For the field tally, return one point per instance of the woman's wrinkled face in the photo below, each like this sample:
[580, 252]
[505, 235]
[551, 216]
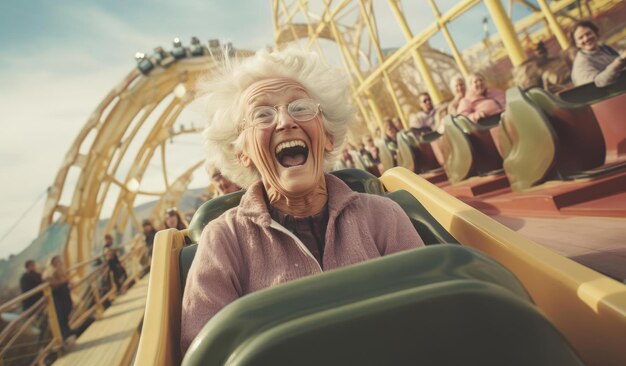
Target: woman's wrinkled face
[459, 88]
[288, 154]
[586, 39]
[477, 84]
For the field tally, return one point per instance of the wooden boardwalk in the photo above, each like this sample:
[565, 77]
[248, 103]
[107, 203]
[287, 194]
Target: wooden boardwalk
[112, 339]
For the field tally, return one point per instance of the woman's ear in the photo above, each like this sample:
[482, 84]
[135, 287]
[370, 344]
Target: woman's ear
[244, 159]
[328, 146]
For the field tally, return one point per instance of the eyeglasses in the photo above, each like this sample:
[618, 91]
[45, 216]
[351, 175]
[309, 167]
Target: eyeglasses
[301, 110]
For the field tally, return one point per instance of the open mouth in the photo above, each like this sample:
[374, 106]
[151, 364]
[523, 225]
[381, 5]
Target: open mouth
[291, 153]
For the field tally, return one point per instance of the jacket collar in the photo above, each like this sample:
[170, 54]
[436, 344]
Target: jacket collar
[253, 205]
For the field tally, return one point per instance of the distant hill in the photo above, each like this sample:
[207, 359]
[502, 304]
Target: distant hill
[50, 242]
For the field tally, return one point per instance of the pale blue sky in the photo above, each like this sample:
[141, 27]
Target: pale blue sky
[58, 59]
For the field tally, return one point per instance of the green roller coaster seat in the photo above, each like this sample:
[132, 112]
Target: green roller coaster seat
[545, 138]
[590, 93]
[580, 141]
[470, 150]
[415, 155]
[211, 210]
[441, 305]
[424, 223]
[485, 156]
[530, 149]
[386, 157]
[358, 180]
[457, 152]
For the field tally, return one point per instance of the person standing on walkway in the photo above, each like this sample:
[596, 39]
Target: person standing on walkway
[56, 275]
[29, 280]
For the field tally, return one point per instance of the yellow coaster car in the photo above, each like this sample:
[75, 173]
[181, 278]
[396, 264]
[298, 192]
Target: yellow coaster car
[496, 299]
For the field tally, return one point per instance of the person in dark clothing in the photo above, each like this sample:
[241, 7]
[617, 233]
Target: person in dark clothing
[116, 267]
[149, 232]
[29, 280]
[57, 276]
[108, 241]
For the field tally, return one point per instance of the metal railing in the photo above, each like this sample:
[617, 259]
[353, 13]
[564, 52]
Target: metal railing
[35, 334]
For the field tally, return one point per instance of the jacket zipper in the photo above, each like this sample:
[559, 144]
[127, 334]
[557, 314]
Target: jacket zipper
[274, 224]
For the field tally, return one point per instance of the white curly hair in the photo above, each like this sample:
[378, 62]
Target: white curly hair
[327, 85]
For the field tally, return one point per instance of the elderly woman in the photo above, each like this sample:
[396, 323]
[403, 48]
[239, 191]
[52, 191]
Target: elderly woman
[478, 101]
[275, 120]
[457, 85]
[594, 62]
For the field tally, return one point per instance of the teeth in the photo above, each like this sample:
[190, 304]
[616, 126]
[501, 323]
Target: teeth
[283, 145]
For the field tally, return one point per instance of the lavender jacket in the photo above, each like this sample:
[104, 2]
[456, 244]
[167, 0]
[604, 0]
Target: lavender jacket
[244, 250]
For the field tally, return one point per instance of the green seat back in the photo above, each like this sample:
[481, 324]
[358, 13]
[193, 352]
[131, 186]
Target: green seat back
[590, 93]
[416, 154]
[546, 138]
[580, 141]
[365, 290]
[406, 151]
[462, 322]
[424, 223]
[360, 181]
[429, 137]
[485, 156]
[457, 151]
[529, 153]
[211, 210]
[386, 158]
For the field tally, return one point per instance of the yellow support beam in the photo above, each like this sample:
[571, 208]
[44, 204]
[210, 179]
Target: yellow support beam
[446, 34]
[420, 62]
[356, 71]
[555, 27]
[370, 28]
[507, 32]
[322, 24]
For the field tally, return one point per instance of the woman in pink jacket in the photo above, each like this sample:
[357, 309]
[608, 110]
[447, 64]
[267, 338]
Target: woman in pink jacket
[275, 121]
[478, 101]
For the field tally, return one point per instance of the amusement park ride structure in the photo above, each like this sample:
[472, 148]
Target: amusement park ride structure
[379, 90]
[155, 94]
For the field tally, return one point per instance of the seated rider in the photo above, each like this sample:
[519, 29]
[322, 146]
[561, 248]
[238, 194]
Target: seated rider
[542, 71]
[478, 101]
[594, 62]
[221, 184]
[424, 121]
[275, 121]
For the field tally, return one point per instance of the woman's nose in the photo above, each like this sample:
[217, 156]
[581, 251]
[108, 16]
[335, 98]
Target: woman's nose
[284, 120]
